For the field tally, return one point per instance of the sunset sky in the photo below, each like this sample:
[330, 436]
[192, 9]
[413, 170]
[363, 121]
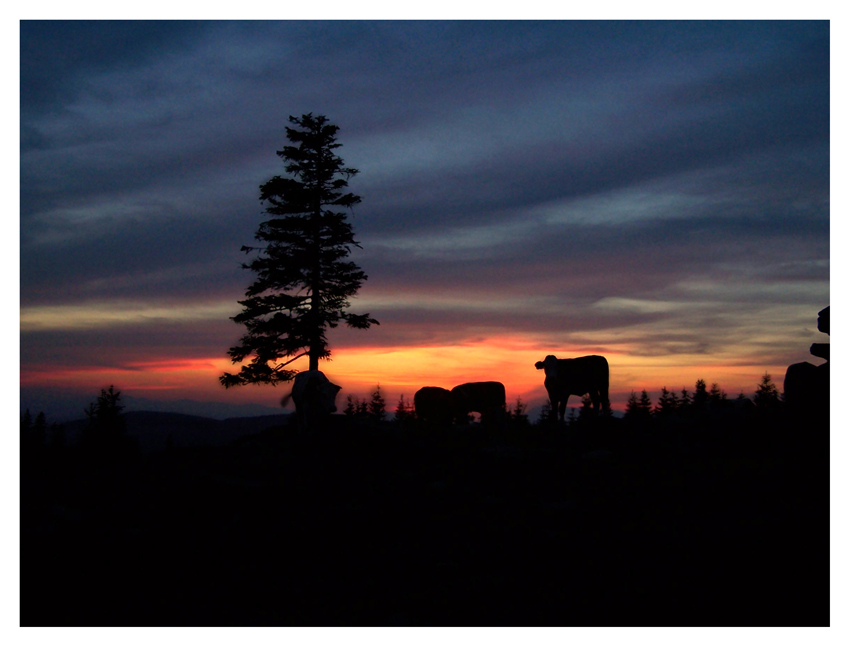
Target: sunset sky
[654, 192]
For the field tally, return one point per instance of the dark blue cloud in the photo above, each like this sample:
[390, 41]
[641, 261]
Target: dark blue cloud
[56, 55]
[572, 162]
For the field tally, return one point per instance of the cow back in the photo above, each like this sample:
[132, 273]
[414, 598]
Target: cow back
[582, 375]
[477, 395]
[485, 398]
[491, 393]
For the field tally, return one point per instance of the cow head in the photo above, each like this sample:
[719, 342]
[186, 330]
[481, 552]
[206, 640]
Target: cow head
[549, 365]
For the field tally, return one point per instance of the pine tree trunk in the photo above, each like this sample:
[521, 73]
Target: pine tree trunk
[315, 288]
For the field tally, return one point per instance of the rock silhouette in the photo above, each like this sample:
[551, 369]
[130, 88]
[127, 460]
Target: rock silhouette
[314, 396]
[433, 405]
[807, 385]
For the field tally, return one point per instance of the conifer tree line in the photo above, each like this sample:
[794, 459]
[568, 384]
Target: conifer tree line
[373, 409]
[104, 414]
[104, 425]
[703, 399]
[639, 407]
[36, 433]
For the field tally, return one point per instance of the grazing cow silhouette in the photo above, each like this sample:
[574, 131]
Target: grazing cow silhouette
[577, 376]
[433, 405]
[314, 396]
[486, 398]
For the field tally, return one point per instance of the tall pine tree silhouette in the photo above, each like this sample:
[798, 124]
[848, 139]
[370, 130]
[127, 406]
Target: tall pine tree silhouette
[303, 280]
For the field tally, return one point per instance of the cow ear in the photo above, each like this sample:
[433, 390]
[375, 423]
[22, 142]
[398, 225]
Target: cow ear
[538, 365]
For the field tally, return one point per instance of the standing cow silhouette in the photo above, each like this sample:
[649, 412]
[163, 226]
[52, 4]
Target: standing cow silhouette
[576, 376]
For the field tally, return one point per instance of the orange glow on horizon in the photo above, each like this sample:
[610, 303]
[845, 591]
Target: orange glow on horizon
[184, 378]
[404, 370]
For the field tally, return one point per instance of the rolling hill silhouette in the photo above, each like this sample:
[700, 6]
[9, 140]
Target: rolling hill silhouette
[155, 430]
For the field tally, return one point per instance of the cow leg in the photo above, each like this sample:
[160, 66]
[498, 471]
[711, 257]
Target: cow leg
[562, 408]
[601, 403]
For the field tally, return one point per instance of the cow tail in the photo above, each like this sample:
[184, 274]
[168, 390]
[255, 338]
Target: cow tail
[285, 399]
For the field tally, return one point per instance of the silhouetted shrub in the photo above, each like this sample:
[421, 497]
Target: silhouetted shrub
[105, 437]
[767, 395]
[699, 402]
[547, 414]
[717, 397]
[586, 411]
[685, 401]
[518, 416]
[404, 412]
[667, 405]
[377, 405]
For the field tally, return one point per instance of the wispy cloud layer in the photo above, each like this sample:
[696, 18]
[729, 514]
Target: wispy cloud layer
[656, 189]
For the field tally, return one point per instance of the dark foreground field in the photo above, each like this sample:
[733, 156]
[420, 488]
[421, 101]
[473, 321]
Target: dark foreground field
[721, 523]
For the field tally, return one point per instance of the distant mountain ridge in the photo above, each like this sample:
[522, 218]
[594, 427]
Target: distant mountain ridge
[216, 410]
[61, 406]
[155, 430]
